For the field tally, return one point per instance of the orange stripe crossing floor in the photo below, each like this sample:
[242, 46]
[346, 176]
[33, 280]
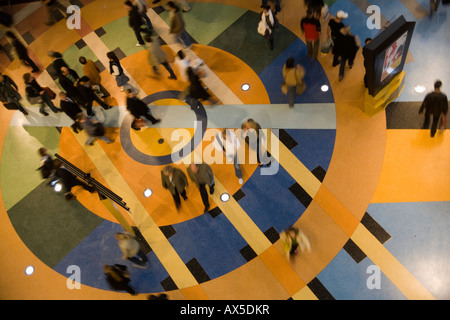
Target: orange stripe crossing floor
[371, 193]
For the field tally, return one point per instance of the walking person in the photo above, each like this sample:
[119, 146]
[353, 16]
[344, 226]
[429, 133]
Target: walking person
[142, 10]
[21, 51]
[46, 165]
[37, 95]
[252, 133]
[174, 180]
[267, 24]
[345, 49]
[197, 90]
[434, 4]
[91, 71]
[71, 109]
[131, 249]
[93, 128]
[53, 6]
[87, 96]
[294, 239]
[310, 26]
[68, 79]
[156, 56]
[138, 109]
[177, 25]
[227, 142]
[293, 83]
[435, 104]
[334, 31]
[202, 175]
[277, 5]
[10, 95]
[115, 68]
[135, 21]
[118, 278]
[54, 69]
[69, 180]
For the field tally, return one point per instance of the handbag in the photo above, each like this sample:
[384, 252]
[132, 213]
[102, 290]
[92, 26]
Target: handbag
[443, 122]
[262, 27]
[122, 80]
[35, 100]
[138, 123]
[50, 92]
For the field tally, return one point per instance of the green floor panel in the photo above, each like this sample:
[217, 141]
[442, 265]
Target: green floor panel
[120, 35]
[205, 21]
[243, 40]
[20, 160]
[53, 229]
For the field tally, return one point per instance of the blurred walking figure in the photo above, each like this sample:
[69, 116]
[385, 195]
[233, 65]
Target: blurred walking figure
[10, 95]
[177, 25]
[138, 109]
[345, 48]
[115, 68]
[253, 133]
[118, 278]
[53, 6]
[227, 142]
[131, 249]
[37, 95]
[69, 180]
[434, 4]
[202, 175]
[267, 24]
[156, 56]
[93, 128]
[135, 21]
[174, 180]
[142, 10]
[87, 96]
[21, 51]
[294, 239]
[91, 71]
[293, 83]
[435, 104]
[197, 90]
[71, 109]
[311, 28]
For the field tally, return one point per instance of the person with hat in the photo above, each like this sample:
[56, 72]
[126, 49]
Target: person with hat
[334, 30]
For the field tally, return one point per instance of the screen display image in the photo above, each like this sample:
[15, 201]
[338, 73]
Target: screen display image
[393, 56]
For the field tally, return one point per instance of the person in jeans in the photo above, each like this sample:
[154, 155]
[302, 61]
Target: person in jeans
[177, 26]
[435, 104]
[36, 94]
[311, 27]
[9, 93]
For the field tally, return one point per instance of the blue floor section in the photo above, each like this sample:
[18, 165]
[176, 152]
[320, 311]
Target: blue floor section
[315, 77]
[315, 147]
[214, 242]
[420, 239]
[100, 248]
[347, 280]
[268, 201]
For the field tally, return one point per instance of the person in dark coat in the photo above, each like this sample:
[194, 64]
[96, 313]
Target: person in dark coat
[345, 48]
[68, 79]
[138, 109]
[21, 51]
[118, 278]
[196, 89]
[69, 180]
[435, 104]
[87, 96]
[36, 94]
[71, 109]
[9, 94]
[135, 21]
[54, 69]
[174, 180]
[201, 174]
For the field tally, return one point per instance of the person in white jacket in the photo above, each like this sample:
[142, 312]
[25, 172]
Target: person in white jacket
[227, 142]
[131, 249]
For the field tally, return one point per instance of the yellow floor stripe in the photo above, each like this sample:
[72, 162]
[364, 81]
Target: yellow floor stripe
[390, 266]
[295, 167]
[148, 228]
[305, 294]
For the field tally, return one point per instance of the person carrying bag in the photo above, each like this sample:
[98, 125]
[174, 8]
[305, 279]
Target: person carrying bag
[293, 83]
